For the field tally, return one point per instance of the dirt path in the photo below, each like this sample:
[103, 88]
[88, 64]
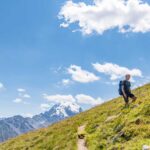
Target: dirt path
[81, 138]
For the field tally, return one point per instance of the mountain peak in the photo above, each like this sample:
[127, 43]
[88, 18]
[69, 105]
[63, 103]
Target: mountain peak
[65, 109]
[71, 105]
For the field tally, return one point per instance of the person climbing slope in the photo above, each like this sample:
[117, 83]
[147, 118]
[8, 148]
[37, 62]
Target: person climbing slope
[125, 90]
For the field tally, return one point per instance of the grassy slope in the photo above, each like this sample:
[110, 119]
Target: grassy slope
[110, 126]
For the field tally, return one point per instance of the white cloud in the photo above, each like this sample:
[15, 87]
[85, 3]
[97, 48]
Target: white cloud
[86, 99]
[45, 107]
[21, 90]
[103, 15]
[17, 100]
[1, 86]
[80, 99]
[64, 25]
[58, 98]
[80, 75]
[115, 71]
[22, 95]
[66, 82]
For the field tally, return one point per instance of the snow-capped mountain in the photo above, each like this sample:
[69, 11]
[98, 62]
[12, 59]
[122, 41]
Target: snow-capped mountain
[14, 126]
[65, 109]
[56, 113]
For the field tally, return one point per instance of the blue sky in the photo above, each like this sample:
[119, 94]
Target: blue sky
[35, 53]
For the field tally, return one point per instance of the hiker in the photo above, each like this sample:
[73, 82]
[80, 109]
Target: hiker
[125, 90]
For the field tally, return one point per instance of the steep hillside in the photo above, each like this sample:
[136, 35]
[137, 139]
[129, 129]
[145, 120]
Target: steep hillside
[109, 126]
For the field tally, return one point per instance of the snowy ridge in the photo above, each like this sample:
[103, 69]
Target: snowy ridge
[63, 108]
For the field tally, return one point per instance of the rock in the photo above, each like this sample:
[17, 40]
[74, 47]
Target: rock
[111, 118]
[139, 102]
[119, 128]
[115, 138]
[81, 132]
[146, 147]
[121, 133]
[138, 121]
[81, 136]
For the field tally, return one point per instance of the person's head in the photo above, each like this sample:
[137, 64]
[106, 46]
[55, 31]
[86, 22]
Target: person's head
[127, 76]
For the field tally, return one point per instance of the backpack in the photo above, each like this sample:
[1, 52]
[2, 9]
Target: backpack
[120, 87]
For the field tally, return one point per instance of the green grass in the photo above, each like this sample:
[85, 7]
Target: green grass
[109, 126]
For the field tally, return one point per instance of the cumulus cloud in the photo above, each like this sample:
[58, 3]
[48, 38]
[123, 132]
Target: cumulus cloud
[103, 15]
[80, 75]
[18, 100]
[45, 107]
[21, 90]
[86, 99]
[115, 71]
[58, 98]
[80, 99]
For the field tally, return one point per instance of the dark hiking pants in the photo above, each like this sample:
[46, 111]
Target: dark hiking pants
[129, 95]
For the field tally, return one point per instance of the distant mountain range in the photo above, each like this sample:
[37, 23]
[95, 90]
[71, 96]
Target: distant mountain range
[16, 125]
